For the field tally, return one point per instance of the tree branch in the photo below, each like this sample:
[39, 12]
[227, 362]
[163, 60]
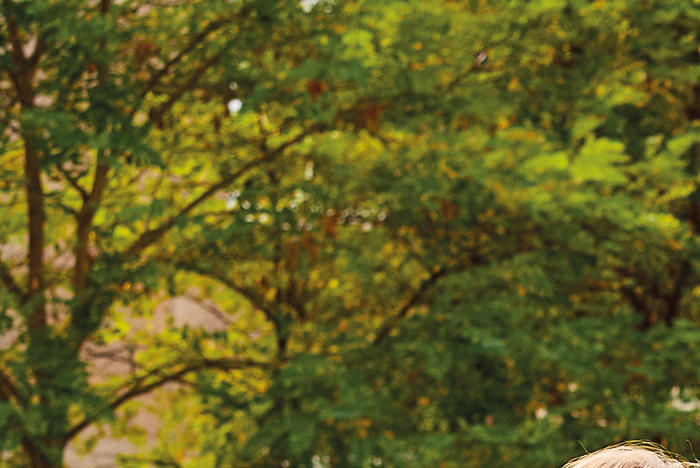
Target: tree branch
[22, 79]
[673, 298]
[255, 299]
[639, 305]
[16, 41]
[8, 390]
[39, 50]
[210, 308]
[271, 313]
[10, 283]
[92, 201]
[160, 462]
[36, 221]
[156, 113]
[85, 217]
[392, 322]
[149, 237]
[316, 128]
[72, 181]
[140, 388]
[194, 42]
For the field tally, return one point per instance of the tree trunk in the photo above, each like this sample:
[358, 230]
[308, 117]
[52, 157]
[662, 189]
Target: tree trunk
[38, 459]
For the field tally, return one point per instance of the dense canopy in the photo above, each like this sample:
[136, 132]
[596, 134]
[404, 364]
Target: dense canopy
[437, 233]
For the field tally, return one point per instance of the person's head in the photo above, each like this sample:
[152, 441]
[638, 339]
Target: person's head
[629, 456]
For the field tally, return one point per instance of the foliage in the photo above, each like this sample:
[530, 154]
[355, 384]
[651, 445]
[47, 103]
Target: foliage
[439, 233]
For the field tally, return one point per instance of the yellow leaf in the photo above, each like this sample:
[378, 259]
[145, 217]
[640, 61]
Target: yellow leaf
[270, 294]
[514, 84]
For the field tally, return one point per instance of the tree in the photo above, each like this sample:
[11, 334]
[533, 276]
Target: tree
[86, 84]
[449, 233]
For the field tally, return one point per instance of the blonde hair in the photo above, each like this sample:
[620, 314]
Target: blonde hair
[630, 455]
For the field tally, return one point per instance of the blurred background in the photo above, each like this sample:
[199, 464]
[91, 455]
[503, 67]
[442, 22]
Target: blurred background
[327, 234]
